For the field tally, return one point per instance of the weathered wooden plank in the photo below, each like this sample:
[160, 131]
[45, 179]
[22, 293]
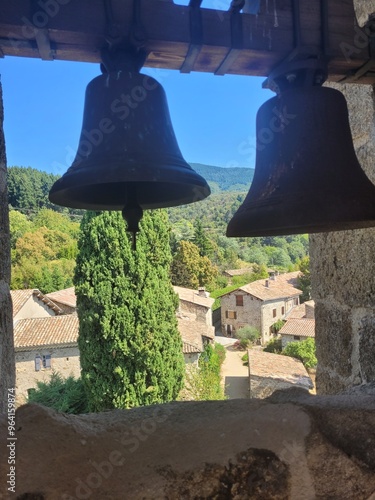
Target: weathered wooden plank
[78, 29]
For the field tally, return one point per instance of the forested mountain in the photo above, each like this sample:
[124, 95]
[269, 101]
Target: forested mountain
[28, 190]
[225, 179]
[44, 241]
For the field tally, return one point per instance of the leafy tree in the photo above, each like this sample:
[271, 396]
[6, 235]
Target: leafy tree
[189, 269]
[278, 257]
[56, 221]
[304, 351]
[257, 255]
[201, 240]
[19, 225]
[65, 395]
[304, 280]
[44, 259]
[131, 350]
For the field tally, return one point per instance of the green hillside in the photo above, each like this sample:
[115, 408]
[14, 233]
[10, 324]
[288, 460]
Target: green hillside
[225, 179]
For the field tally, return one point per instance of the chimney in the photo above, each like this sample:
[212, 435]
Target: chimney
[202, 291]
[267, 284]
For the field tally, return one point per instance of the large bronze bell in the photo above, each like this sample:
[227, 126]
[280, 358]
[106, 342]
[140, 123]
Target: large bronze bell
[128, 157]
[307, 177]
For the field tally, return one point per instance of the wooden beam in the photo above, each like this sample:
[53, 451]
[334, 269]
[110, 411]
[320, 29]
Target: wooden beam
[78, 29]
[44, 45]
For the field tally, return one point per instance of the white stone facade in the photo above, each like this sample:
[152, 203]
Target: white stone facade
[254, 312]
[64, 360]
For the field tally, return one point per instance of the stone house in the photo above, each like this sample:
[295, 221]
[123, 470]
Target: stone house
[43, 340]
[260, 304]
[42, 345]
[300, 324]
[271, 372]
[194, 316]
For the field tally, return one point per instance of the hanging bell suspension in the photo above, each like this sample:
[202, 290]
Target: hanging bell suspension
[307, 177]
[128, 158]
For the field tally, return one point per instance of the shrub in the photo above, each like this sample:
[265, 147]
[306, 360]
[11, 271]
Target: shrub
[277, 325]
[304, 351]
[203, 382]
[65, 395]
[274, 346]
[245, 359]
[247, 335]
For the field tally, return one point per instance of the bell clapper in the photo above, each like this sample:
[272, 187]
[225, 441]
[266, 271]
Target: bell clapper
[132, 214]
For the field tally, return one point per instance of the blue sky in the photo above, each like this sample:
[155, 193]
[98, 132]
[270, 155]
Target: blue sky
[213, 116]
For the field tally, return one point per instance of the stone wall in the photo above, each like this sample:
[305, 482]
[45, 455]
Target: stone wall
[309, 448]
[342, 273]
[64, 360]
[363, 8]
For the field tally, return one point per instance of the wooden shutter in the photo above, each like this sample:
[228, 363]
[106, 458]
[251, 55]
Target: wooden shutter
[37, 363]
[48, 361]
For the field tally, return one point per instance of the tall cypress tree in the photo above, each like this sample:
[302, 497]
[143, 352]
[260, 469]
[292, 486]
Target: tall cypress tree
[130, 347]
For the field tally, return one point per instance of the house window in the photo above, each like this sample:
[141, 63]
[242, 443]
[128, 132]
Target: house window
[231, 314]
[38, 363]
[283, 310]
[239, 300]
[274, 313]
[296, 337]
[46, 360]
[295, 302]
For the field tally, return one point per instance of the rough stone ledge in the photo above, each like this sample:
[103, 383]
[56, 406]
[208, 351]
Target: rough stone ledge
[291, 446]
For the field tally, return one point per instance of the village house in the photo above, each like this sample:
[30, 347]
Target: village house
[300, 324]
[42, 345]
[260, 304]
[42, 339]
[271, 372]
[194, 316]
[46, 333]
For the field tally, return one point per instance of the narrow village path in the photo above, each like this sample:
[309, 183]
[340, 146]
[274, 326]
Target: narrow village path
[235, 375]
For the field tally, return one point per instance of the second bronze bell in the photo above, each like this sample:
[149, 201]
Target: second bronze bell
[307, 177]
[128, 155]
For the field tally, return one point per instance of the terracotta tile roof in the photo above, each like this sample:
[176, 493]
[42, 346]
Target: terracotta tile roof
[277, 366]
[192, 330]
[193, 296]
[66, 297]
[189, 348]
[20, 297]
[297, 312]
[50, 331]
[239, 272]
[304, 327]
[276, 289]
